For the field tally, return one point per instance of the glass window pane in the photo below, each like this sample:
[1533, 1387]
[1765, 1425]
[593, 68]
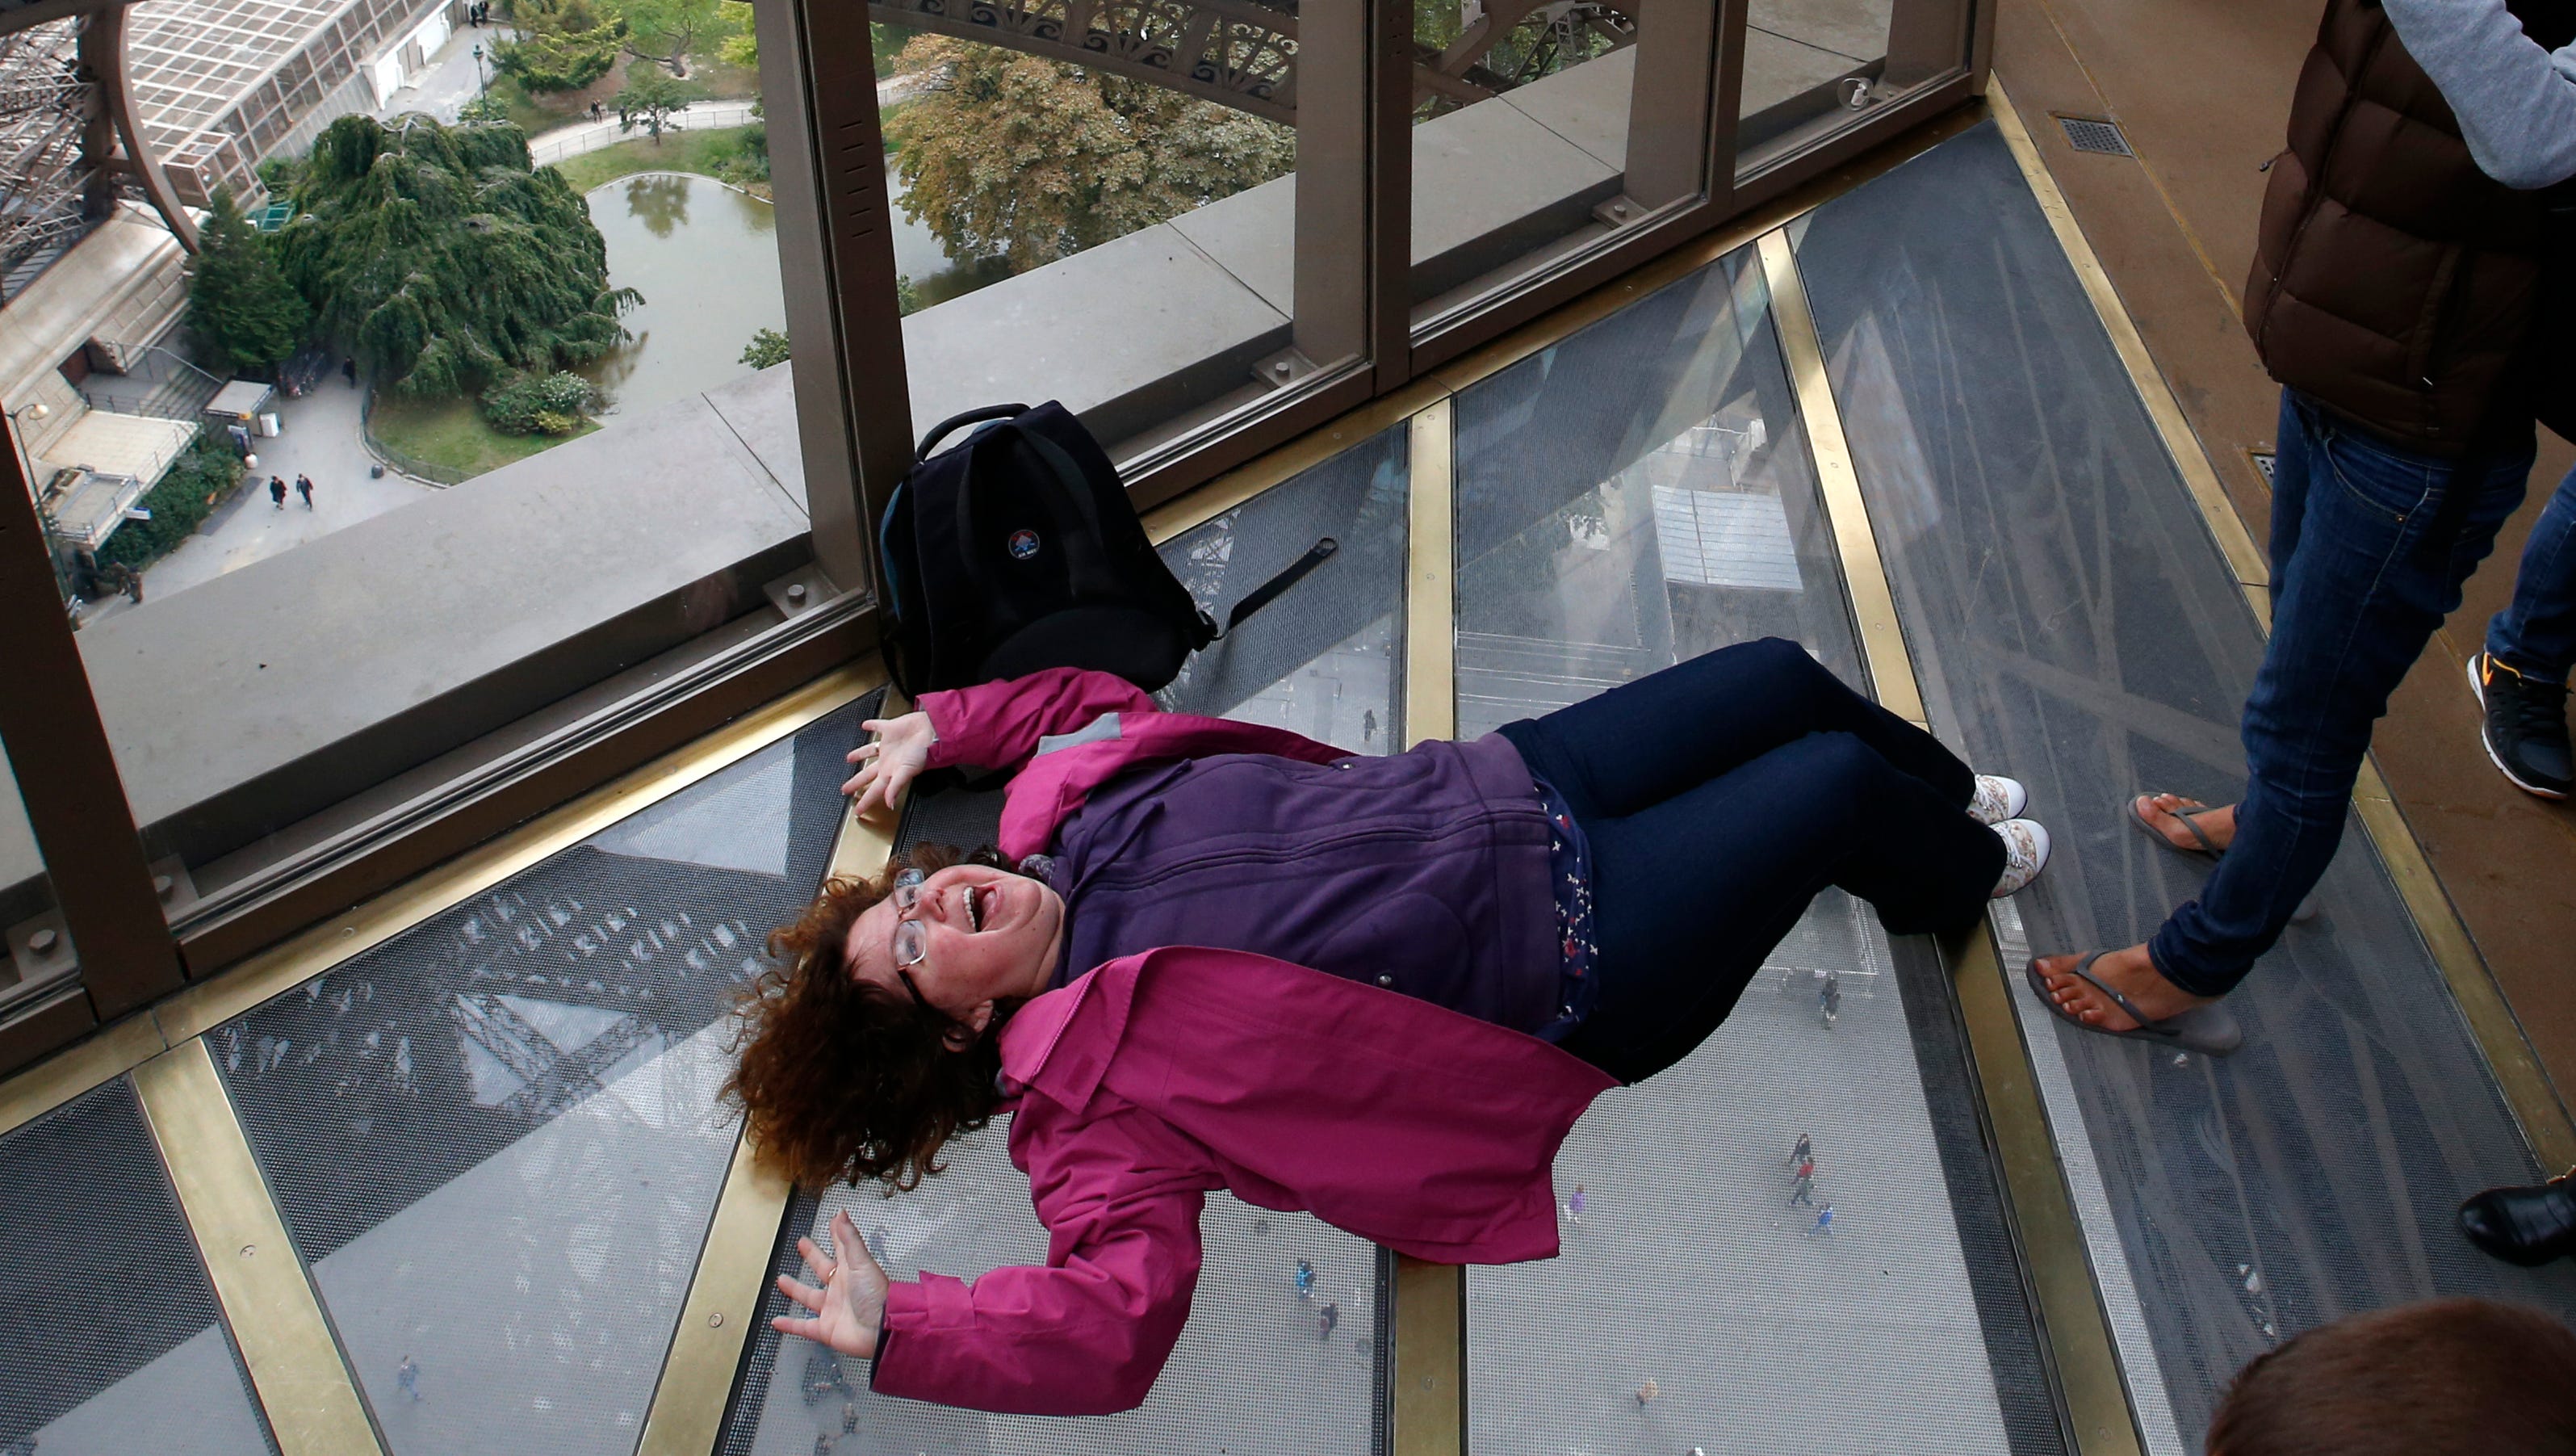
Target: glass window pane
[1112, 219]
[88, 1207]
[1326, 658]
[1637, 495]
[1258, 1368]
[37, 959]
[1815, 67]
[495, 1138]
[475, 403]
[1542, 130]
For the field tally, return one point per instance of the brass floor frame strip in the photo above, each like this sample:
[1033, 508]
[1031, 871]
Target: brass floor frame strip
[312, 1403]
[1429, 1379]
[2235, 543]
[732, 1277]
[2072, 1322]
[2519, 1073]
[1873, 601]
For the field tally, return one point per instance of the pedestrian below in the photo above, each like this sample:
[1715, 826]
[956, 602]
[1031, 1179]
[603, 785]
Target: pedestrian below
[1305, 1280]
[276, 494]
[1804, 1152]
[2417, 330]
[1332, 1319]
[2445, 1377]
[1824, 1220]
[1647, 1393]
[304, 488]
[822, 1444]
[1368, 724]
[1807, 1168]
[349, 366]
[407, 1375]
[2521, 677]
[1830, 999]
[1574, 1205]
[594, 111]
[1803, 1190]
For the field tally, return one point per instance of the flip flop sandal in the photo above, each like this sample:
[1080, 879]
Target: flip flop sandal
[2210, 1030]
[2307, 910]
[2206, 850]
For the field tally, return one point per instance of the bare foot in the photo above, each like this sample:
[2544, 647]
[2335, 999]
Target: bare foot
[2129, 972]
[2157, 812]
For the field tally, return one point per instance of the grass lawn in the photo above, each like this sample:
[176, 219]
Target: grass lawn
[711, 78]
[451, 433]
[701, 152]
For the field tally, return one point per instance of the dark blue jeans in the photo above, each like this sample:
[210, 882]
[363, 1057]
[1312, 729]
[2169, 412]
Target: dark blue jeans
[2536, 634]
[1719, 795]
[2366, 562]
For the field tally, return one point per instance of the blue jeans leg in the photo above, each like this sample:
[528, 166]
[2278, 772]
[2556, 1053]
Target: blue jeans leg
[1719, 796]
[2359, 583]
[2535, 634]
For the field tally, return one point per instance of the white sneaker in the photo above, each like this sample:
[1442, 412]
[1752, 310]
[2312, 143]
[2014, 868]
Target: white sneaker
[1997, 799]
[2025, 853]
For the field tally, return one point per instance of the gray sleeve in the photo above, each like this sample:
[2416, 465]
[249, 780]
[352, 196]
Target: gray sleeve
[2516, 102]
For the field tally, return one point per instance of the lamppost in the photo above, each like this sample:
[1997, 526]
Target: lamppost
[482, 87]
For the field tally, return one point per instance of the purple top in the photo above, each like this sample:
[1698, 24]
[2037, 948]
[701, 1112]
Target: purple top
[1429, 873]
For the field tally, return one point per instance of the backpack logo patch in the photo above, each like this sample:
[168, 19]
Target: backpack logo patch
[1023, 545]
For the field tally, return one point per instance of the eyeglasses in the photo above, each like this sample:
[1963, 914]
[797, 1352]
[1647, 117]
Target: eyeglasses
[911, 941]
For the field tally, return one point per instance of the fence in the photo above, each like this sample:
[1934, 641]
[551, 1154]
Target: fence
[441, 476]
[572, 141]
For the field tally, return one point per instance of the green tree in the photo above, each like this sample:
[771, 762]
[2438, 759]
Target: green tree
[647, 100]
[560, 60]
[767, 347]
[667, 31]
[1005, 155]
[742, 48]
[441, 259]
[241, 308]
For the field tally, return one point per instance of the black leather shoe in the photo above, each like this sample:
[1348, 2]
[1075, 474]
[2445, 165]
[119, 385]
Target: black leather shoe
[2526, 1226]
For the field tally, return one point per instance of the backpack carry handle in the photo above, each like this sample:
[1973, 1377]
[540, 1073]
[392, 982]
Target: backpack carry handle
[1268, 592]
[930, 441]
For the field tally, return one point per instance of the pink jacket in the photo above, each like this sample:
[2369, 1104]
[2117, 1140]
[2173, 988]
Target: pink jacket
[1157, 1077]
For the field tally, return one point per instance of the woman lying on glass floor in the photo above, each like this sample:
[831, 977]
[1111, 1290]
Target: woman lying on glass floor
[1377, 989]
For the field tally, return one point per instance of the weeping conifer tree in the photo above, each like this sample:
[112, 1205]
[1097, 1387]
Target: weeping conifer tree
[442, 260]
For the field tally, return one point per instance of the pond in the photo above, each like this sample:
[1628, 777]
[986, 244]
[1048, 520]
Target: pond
[705, 257]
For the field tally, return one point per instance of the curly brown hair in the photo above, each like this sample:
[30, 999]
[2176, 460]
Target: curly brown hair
[841, 1079]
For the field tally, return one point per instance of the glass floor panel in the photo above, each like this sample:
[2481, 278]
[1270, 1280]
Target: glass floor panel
[1636, 495]
[1259, 1370]
[111, 1342]
[495, 1138]
[2076, 627]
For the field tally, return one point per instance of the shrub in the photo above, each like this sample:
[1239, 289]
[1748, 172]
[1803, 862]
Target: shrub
[768, 347]
[539, 404]
[198, 480]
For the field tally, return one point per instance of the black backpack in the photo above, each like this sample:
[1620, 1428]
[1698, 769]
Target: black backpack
[1017, 549]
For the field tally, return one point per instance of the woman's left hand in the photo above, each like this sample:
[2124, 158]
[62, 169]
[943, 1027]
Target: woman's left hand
[851, 1304]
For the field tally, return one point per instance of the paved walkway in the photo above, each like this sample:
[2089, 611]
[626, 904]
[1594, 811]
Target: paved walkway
[589, 136]
[319, 437]
[452, 78]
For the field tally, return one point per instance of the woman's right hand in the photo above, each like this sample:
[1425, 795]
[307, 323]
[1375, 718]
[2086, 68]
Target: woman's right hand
[850, 1307]
[889, 763]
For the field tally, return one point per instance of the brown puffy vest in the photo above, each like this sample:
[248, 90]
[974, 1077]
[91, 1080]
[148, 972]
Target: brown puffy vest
[2393, 281]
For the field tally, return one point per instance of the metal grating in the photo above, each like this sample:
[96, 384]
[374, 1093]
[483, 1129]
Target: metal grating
[2264, 464]
[112, 1340]
[2088, 135]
